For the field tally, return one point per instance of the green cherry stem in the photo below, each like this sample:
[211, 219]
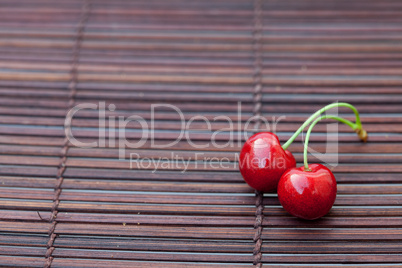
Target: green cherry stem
[359, 130]
[340, 119]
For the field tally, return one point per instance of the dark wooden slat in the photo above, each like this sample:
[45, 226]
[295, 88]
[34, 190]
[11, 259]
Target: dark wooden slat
[199, 199]
[303, 108]
[367, 177]
[332, 234]
[30, 182]
[369, 189]
[148, 198]
[91, 114]
[29, 171]
[155, 231]
[30, 161]
[21, 140]
[43, 76]
[334, 247]
[24, 215]
[120, 255]
[24, 205]
[150, 245]
[359, 211]
[193, 220]
[22, 251]
[166, 209]
[23, 240]
[189, 176]
[194, 126]
[13, 261]
[22, 227]
[333, 258]
[336, 265]
[30, 150]
[336, 222]
[156, 186]
[64, 263]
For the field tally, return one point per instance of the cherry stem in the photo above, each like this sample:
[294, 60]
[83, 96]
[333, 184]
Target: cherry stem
[340, 119]
[322, 110]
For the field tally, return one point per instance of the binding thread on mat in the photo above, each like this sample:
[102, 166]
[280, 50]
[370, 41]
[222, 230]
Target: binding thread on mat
[63, 153]
[257, 79]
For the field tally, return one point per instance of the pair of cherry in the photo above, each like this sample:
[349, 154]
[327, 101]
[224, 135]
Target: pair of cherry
[307, 192]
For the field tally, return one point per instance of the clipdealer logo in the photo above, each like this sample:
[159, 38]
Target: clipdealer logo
[112, 132]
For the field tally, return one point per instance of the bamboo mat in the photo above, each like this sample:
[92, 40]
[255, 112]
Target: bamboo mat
[65, 206]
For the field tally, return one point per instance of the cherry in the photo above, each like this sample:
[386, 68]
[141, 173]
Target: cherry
[263, 161]
[307, 194]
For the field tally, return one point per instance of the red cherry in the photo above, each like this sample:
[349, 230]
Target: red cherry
[263, 161]
[307, 194]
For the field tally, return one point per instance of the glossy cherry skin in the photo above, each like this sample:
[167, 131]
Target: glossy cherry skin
[307, 194]
[263, 161]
